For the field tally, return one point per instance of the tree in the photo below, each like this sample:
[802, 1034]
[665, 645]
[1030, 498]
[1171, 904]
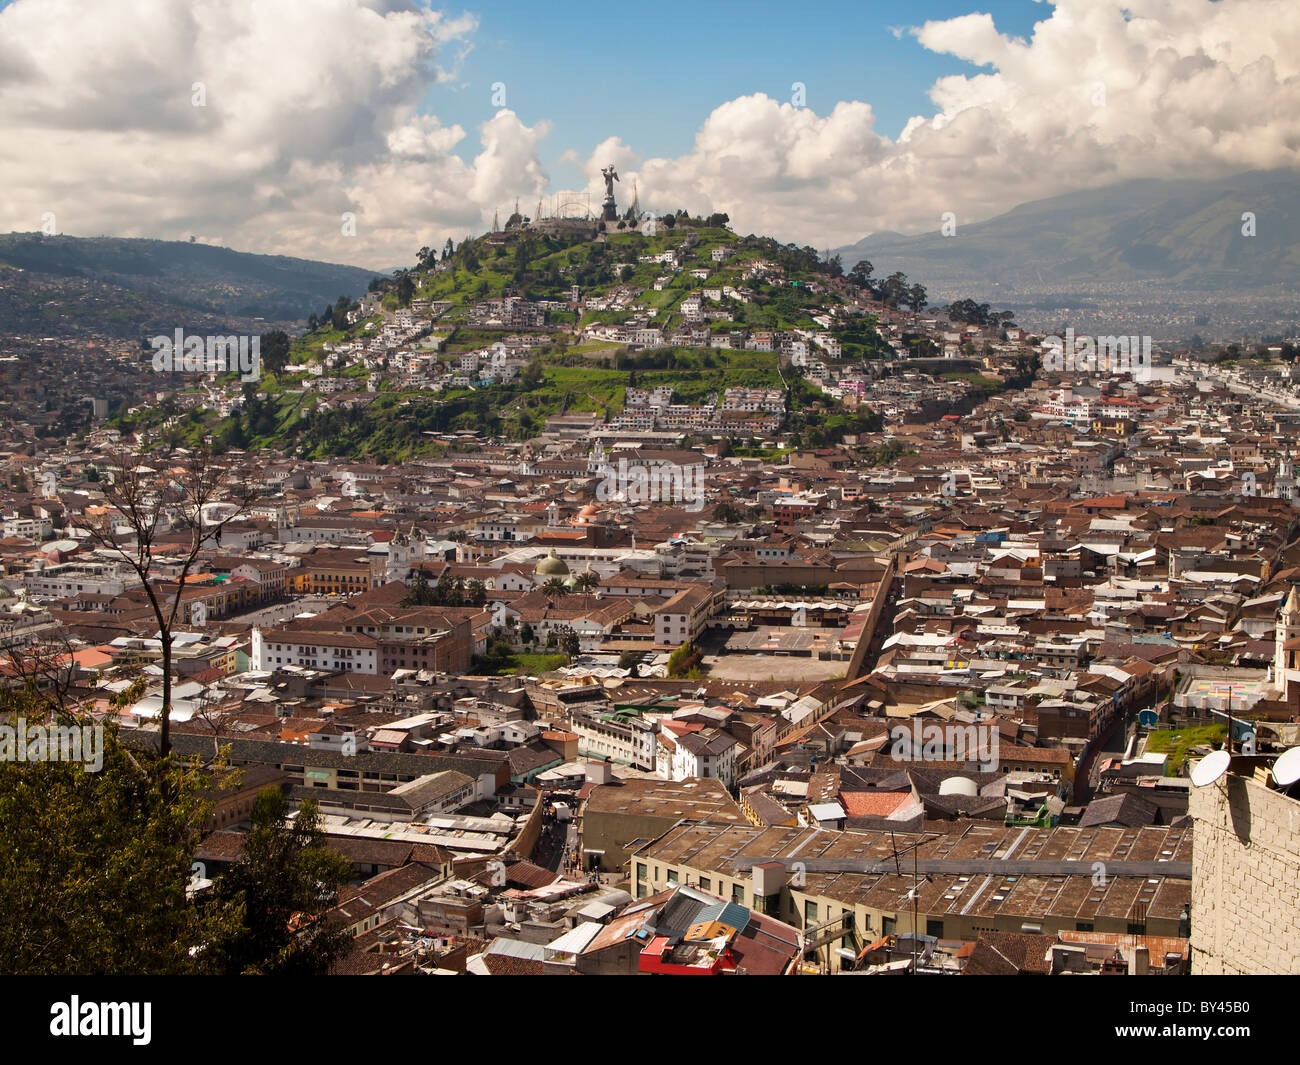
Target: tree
[860, 275]
[286, 881]
[972, 313]
[683, 660]
[894, 289]
[555, 588]
[275, 350]
[586, 581]
[339, 318]
[405, 289]
[568, 642]
[531, 376]
[197, 497]
[95, 865]
[421, 593]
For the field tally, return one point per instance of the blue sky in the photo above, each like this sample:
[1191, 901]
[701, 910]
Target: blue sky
[651, 74]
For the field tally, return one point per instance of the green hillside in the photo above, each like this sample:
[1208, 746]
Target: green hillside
[394, 422]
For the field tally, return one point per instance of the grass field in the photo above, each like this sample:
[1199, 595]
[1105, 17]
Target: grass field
[1177, 742]
[530, 665]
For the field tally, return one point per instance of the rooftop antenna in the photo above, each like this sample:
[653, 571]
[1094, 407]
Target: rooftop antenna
[915, 892]
[1229, 745]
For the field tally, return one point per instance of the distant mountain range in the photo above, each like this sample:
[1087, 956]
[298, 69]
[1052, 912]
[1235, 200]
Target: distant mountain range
[73, 286]
[1113, 248]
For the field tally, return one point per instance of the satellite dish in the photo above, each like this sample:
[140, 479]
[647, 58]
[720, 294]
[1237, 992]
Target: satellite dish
[1210, 768]
[1286, 770]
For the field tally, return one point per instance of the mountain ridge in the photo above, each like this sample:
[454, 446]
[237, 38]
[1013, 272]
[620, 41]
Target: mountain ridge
[130, 285]
[1187, 233]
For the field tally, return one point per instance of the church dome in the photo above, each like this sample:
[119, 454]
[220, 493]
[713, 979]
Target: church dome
[552, 566]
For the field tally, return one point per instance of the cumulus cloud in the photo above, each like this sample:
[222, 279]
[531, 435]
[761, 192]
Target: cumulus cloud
[1101, 92]
[313, 109]
[309, 110]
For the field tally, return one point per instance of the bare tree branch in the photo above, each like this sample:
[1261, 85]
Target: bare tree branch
[198, 496]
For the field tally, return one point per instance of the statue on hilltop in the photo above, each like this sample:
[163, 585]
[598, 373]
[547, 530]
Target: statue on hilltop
[610, 175]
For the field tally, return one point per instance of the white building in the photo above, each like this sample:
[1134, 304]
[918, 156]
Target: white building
[707, 753]
[350, 652]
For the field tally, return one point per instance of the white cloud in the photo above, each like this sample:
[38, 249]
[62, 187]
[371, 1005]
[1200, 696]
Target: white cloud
[311, 111]
[1191, 88]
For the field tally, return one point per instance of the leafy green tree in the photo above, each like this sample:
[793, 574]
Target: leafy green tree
[286, 881]
[275, 350]
[405, 290]
[421, 593]
[93, 872]
[531, 376]
[94, 866]
[683, 660]
[339, 318]
[569, 644]
[894, 289]
[860, 275]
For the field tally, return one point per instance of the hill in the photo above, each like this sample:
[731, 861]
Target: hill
[1109, 249]
[403, 370]
[126, 287]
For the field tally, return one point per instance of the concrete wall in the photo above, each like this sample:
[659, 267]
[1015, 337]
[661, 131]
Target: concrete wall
[1245, 879]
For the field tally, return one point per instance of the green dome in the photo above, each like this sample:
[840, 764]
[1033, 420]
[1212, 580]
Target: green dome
[551, 566]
